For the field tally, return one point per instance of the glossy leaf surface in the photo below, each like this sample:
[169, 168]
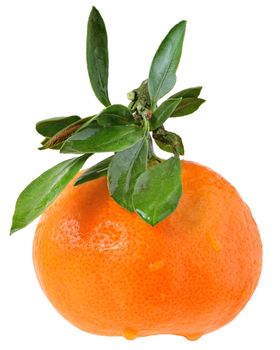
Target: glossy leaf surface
[187, 106]
[170, 142]
[162, 76]
[124, 170]
[190, 92]
[158, 190]
[95, 138]
[163, 112]
[115, 115]
[97, 56]
[41, 192]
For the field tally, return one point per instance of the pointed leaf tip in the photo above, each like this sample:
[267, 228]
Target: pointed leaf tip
[190, 92]
[187, 106]
[158, 190]
[41, 192]
[13, 230]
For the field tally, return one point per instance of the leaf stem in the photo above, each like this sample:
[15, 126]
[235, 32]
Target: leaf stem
[151, 153]
[153, 159]
[146, 125]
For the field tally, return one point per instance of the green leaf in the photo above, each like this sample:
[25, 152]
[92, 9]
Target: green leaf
[162, 76]
[97, 56]
[187, 106]
[158, 190]
[163, 112]
[169, 142]
[115, 115]
[49, 127]
[191, 92]
[41, 192]
[98, 170]
[124, 170]
[95, 138]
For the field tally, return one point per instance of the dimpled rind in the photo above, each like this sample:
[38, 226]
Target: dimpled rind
[110, 273]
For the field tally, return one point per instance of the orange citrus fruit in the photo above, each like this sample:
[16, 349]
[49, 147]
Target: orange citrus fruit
[110, 273]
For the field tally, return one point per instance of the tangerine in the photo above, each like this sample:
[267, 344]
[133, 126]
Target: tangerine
[110, 273]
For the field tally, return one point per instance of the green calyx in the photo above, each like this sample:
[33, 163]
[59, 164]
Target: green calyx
[138, 180]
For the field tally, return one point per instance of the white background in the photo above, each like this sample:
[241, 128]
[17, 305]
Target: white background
[231, 48]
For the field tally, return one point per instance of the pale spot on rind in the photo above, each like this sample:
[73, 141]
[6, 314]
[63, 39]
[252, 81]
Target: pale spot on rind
[109, 236]
[243, 294]
[157, 265]
[68, 233]
[215, 243]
